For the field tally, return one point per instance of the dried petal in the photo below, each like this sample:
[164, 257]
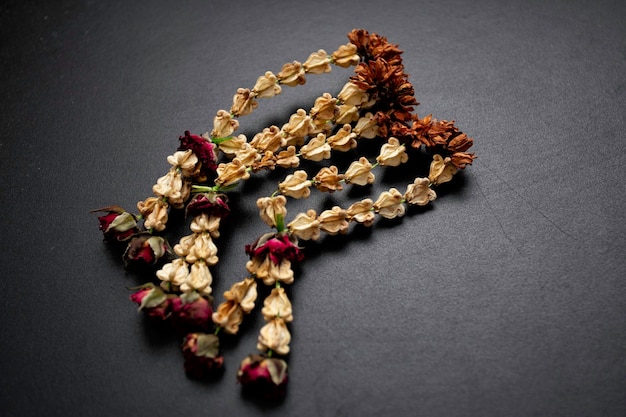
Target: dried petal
[243, 102]
[275, 336]
[266, 86]
[277, 304]
[325, 108]
[334, 221]
[346, 56]
[154, 212]
[291, 74]
[347, 114]
[233, 145]
[223, 124]
[316, 149]
[360, 172]
[199, 279]
[362, 212]
[328, 179]
[366, 127]
[299, 126]
[270, 208]
[174, 272]
[231, 173]
[351, 94]
[296, 185]
[317, 63]
[392, 153]
[343, 140]
[389, 204]
[244, 293]
[268, 140]
[305, 226]
[288, 158]
[419, 193]
[441, 170]
[229, 316]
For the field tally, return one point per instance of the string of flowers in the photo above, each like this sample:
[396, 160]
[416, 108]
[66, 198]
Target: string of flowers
[377, 102]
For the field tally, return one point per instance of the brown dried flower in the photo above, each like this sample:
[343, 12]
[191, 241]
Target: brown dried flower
[328, 179]
[317, 63]
[243, 102]
[292, 74]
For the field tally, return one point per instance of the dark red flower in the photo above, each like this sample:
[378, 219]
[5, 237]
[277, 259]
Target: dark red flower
[152, 301]
[145, 250]
[201, 352]
[263, 376]
[213, 204]
[117, 224]
[277, 246]
[203, 148]
[191, 313]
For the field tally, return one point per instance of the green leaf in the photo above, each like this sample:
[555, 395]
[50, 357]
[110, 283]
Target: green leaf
[154, 298]
[208, 346]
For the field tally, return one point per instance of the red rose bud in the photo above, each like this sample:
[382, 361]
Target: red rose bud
[278, 246]
[213, 204]
[203, 148]
[191, 313]
[152, 301]
[201, 353]
[145, 250]
[263, 376]
[117, 224]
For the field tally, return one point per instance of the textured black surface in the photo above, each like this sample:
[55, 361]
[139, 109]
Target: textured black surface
[507, 298]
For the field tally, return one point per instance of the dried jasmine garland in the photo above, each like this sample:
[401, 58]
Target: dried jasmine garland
[377, 102]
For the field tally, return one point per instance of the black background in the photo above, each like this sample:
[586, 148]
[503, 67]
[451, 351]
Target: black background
[506, 298]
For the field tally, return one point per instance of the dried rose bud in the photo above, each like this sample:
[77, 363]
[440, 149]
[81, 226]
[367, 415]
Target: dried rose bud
[145, 250]
[202, 355]
[152, 301]
[213, 204]
[277, 247]
[263, 376]
[203, 148]
[117, 224]
[191, 312]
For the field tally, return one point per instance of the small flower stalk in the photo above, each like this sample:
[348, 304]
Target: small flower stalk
[376, 104]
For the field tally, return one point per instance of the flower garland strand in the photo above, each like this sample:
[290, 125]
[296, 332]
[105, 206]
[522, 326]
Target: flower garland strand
[377, 102]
